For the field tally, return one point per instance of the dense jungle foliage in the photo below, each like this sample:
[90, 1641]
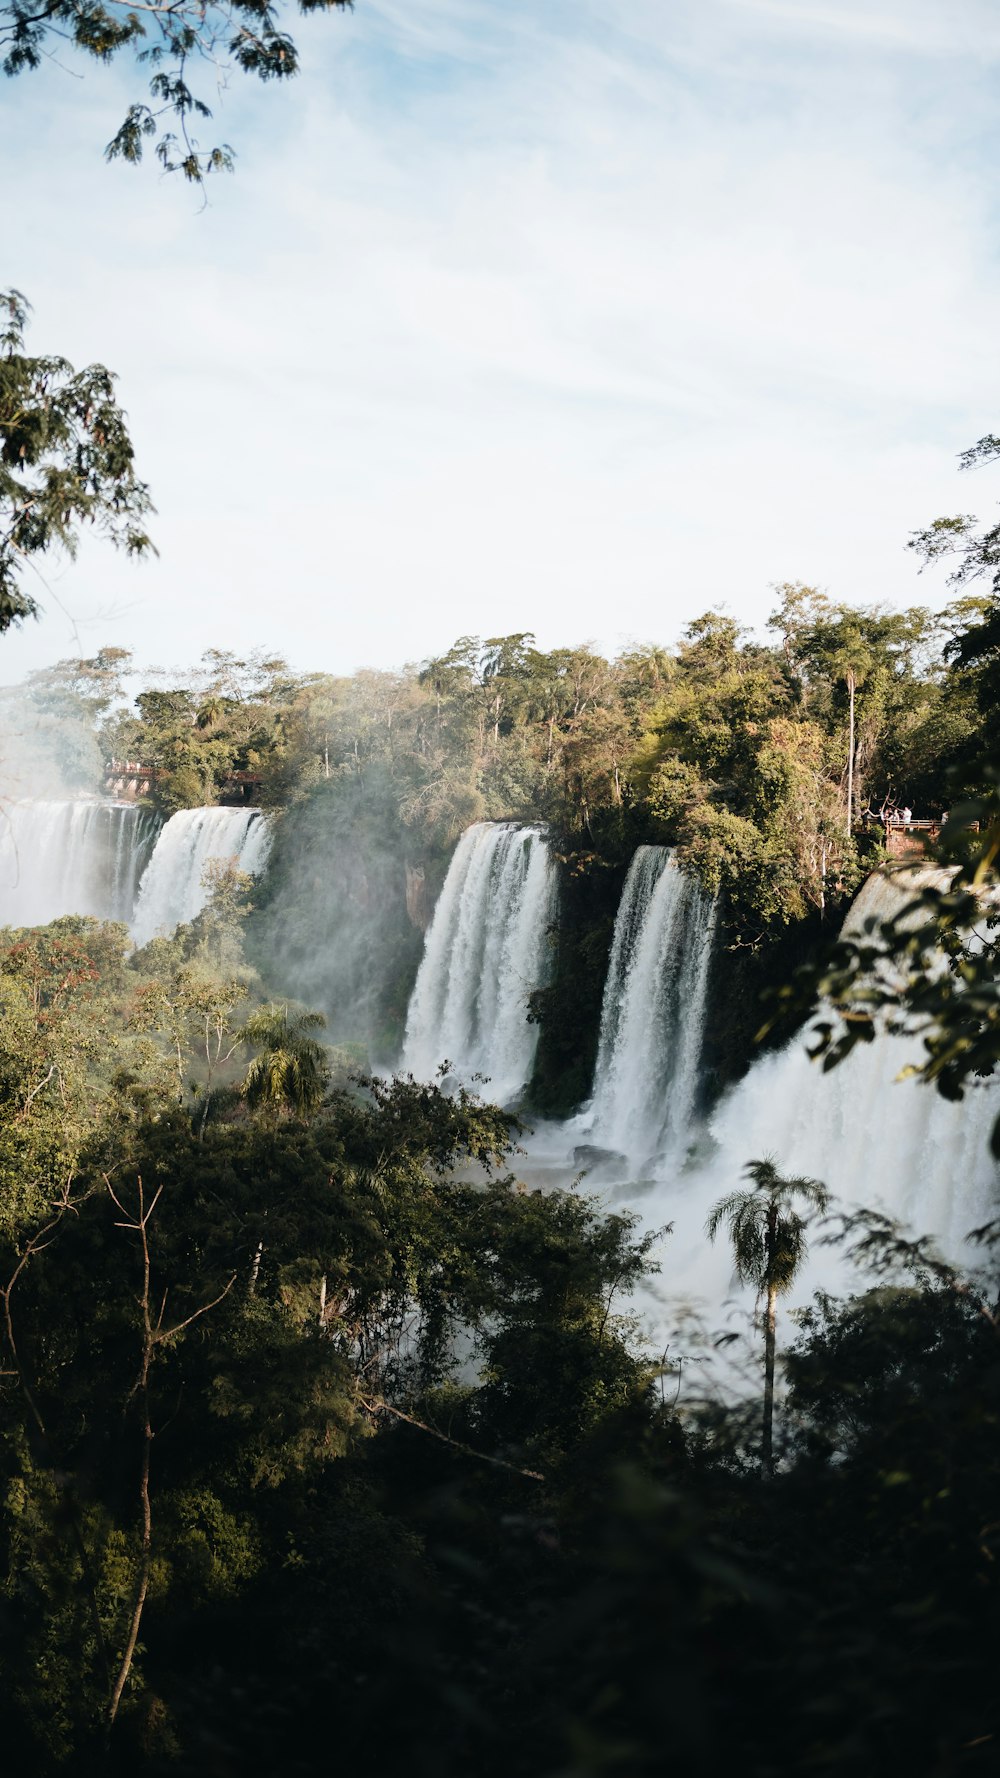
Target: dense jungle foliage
[762, 762]
[321, 1431]
[317, 1427]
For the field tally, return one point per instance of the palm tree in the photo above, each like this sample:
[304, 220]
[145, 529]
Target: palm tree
[769, 1244]
[211, 711]
[289, 1071]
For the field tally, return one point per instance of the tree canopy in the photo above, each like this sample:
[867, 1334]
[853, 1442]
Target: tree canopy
[171, 41]
[66, 461]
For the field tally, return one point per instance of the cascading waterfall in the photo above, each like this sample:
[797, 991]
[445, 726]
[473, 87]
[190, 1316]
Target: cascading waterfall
[652, 1018]
[173, 889]
[867, 1134]
[873, 1138]
[75, 857]
[485, 952]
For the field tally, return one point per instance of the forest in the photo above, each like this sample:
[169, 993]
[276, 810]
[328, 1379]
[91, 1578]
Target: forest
[322, 1429]
[768, 766]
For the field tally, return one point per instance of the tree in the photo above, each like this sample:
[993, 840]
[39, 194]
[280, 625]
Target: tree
[798, 806]
[838, 642]
[78, 690]
[289, 1072]
[167, 37]
[711, 642]
[857, 647]
[768, 1235]
[978, 552]
[66, 460]
[892, 976]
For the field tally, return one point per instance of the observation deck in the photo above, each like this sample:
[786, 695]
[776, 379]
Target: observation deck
[909, 839]
[130, 779]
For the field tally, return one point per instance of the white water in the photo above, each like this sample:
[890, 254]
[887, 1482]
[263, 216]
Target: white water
[874, 1139]
[871, 1137]
[173, 888]
[73, 857]
[485, 952]
[652, 1019]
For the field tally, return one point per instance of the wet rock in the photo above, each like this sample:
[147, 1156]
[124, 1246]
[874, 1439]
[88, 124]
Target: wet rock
[589, 1155]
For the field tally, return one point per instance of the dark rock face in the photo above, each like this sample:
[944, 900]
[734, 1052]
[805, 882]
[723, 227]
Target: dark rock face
[587, 1154]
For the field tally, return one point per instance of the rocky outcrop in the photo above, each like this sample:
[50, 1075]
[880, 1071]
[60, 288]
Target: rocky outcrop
[418, 911]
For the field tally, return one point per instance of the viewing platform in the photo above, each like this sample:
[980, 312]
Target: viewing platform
[909, 839]
[130, 779]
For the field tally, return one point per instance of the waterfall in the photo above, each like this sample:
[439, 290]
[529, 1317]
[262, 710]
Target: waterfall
[78, 857]
[652, 1018]
[173, 889]
[873, 1138]
[870, 1136]
[484, 953]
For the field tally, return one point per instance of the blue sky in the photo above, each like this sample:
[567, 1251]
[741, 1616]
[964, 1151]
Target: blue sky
[570, 318]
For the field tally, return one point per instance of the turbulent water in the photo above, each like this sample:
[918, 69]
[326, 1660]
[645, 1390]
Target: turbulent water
[873, 1139]
[73, 857]
[486, 950]
[652, 1019]
[867, 1134]
[173, 887]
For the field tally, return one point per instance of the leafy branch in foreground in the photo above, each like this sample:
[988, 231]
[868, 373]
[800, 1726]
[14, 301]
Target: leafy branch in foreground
[956, 536]
[166, 36]
[66, 459]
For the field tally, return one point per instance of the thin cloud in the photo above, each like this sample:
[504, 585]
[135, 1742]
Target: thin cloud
[927, 29]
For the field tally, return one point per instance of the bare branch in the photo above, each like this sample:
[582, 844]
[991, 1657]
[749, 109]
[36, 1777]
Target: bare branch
[380, 1406]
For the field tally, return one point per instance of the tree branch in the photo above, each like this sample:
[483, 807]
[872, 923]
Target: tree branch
[380, 1406]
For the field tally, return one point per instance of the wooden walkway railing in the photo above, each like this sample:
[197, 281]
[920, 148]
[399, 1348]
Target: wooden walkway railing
[130, 779]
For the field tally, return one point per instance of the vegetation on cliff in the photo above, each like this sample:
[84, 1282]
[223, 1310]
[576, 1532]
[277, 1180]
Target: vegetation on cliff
[765, 764]
[314, 1421]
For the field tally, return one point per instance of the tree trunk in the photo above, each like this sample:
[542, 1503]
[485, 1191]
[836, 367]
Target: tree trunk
[144, 1565]
[255, 1269]
[766, 1447]
[850, 756]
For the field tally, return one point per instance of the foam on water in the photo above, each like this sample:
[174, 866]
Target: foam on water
[174, 888]
[486, 951]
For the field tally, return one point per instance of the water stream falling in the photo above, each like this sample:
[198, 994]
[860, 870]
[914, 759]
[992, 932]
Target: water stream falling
[486, 950]
[652, 1018]
[173, 888]
[868, 1135]
[874, 1139]
[74, 857]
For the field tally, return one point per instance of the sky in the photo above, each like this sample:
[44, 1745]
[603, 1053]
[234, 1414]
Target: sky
[576, 318]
